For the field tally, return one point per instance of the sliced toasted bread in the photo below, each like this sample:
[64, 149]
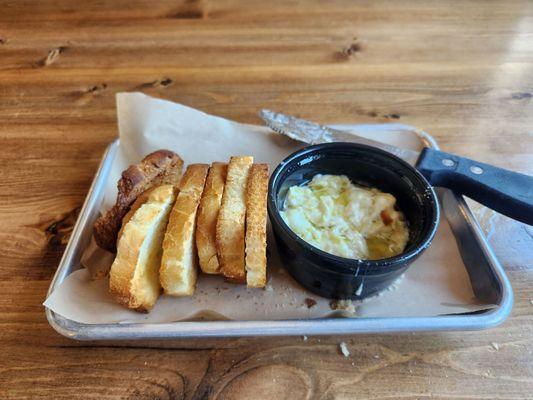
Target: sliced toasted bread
[256, 218]
[180, 262]
[207, 218]
[231, 219]
[134, 278]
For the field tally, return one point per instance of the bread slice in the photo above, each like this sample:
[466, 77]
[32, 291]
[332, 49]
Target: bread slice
[231, 219]
[134, 278]
[180, 262]
[207, 218]
[256, 218]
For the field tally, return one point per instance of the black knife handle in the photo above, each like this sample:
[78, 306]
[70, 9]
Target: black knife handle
[510, 193]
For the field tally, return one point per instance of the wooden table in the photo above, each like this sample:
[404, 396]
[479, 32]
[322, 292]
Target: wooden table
[463, 71]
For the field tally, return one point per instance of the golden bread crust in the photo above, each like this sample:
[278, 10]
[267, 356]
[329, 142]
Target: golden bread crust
[207, 218]
[256, 219]
[230, 225]
[178, 270]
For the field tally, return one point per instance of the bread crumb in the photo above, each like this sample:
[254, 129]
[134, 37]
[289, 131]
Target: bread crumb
[495, 346]
[309, 302]
[343, 305]
[344, 349]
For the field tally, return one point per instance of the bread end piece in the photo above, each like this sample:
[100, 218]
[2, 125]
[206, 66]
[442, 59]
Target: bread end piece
[162, 167]
[179, 263]
[230, 225]
[207, 218]
[134, 278]
[256, 219]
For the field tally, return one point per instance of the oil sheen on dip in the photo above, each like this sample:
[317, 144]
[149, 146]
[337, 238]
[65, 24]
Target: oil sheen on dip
[346, 220]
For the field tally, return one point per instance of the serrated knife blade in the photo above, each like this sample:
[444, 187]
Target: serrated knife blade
[313, 133]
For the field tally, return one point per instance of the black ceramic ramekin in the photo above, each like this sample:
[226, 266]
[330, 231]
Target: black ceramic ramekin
[342, 278]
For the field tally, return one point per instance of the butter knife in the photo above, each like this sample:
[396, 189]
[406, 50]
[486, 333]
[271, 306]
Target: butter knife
[510, 193]
[313, 133]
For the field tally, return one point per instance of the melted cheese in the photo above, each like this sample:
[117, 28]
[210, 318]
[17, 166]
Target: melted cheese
[346, 220]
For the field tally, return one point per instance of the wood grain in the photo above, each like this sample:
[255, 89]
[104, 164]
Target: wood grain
[463, 71]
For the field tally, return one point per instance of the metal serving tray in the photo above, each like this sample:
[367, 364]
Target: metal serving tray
[488, 279]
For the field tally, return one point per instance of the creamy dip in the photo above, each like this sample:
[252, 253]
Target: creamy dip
[346, 220]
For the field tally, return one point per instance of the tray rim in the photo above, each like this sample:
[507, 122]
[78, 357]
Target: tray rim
[322, 326]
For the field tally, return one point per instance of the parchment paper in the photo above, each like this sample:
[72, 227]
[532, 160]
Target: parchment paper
[435, 284]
